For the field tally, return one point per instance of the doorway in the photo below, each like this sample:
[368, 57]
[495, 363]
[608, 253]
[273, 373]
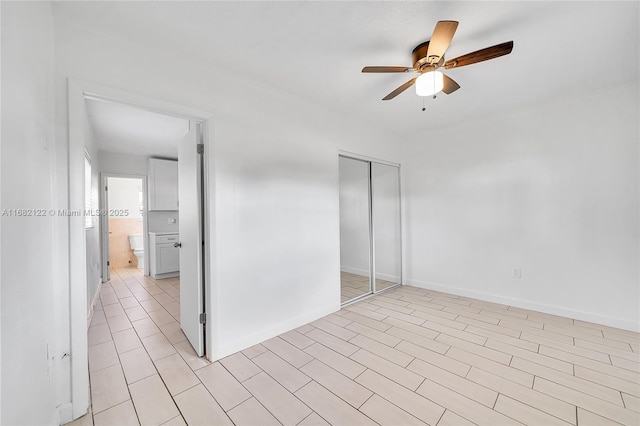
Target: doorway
[124, 226]
[370, 227]
[196, 142]
[168, 150]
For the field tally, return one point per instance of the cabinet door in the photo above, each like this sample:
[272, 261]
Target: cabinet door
[163, 184]
[167, 258]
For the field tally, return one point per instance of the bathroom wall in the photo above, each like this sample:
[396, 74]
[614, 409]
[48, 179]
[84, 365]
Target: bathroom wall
[120, 253]
[124, 219]
[124, 197]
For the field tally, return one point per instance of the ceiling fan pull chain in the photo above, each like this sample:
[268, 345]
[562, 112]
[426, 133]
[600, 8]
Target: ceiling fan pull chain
[434, 87]
[423, 107]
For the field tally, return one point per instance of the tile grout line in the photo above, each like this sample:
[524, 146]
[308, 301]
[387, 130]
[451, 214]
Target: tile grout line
[123, 375]
[156, 367]
[152, 362]
[558, 327]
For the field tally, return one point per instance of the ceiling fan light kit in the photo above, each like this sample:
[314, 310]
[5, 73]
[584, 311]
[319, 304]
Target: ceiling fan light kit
[429, 56]
[429, 83]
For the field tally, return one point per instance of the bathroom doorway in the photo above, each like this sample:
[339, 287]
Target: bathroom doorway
[124, 223]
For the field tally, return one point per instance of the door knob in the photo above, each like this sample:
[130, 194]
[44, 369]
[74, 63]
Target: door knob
[177, 244]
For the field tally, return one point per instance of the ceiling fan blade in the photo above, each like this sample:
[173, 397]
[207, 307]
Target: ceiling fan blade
[450, 85]
[440, 39]
[480, 55]
[385, 69]
[400, 89]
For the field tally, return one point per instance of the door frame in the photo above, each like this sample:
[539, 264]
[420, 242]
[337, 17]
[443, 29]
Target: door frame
[104, 233]
[77, 92]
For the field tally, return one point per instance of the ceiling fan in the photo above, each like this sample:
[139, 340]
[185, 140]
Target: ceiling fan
[429, 56]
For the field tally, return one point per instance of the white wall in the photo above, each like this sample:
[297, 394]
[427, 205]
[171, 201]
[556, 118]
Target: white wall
[273, 179]
[552, 189]
[159, 221]
[123, 164]
[123, 196]
[30, 323]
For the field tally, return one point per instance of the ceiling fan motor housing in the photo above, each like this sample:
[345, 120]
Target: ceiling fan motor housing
[421, 62]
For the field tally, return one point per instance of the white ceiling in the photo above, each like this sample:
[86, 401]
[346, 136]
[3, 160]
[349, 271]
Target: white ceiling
[315, 50]
[129, 130]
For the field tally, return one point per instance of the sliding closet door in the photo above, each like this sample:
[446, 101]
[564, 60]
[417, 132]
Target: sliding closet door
[355, 229]
[385, 207]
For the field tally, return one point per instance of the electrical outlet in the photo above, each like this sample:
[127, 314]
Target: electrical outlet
[517, 273]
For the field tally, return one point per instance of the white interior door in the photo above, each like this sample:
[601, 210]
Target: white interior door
[190, 227]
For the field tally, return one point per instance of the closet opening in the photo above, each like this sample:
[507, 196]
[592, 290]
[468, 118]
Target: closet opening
[370, 227]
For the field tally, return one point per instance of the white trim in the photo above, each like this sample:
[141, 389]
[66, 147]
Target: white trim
[64, 413]
[404, 243]
[77, 90]
[355, 156]
[357, 271]
[77, 254]
[388, 277]
[403, 247]
[104, 93]
[368, 295]
[365, 273]
[534, 306]
[379, 276]
[166, 274]
[209, 230]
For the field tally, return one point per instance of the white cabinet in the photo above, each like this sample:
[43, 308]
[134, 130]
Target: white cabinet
[163, 184]
[164, 255]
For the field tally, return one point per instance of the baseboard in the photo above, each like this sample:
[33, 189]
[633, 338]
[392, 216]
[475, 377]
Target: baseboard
[387, 277]
[365, 272]
[534, 306]
[64, 413]
[93, 303]
[165, 275]
[220, 351]
[356, 271]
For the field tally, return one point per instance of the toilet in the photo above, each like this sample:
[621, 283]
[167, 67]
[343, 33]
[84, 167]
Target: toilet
[137, 245]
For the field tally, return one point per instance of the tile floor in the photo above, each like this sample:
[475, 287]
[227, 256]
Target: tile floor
[354, 285]
[405, 357]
